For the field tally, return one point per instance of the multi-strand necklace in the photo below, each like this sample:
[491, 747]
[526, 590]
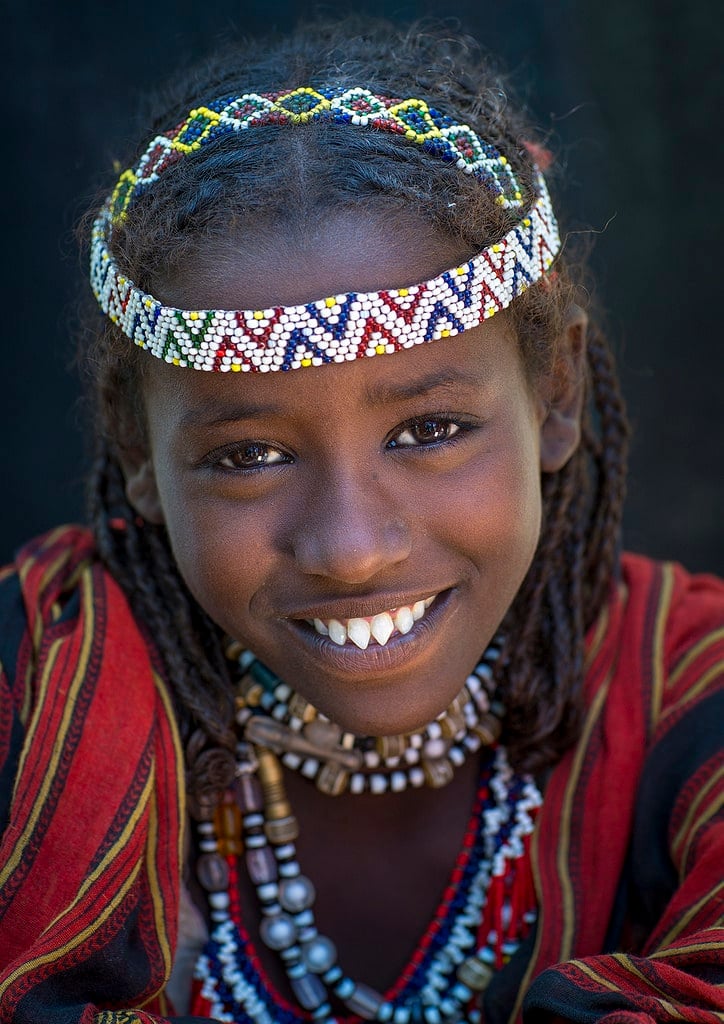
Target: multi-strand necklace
[486, 909]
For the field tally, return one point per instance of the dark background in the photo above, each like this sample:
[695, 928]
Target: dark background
[633, 92]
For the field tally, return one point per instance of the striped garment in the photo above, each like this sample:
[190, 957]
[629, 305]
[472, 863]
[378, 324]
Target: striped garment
[628, 854]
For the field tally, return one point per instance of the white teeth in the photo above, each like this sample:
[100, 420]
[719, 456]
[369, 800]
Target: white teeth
[358, 630]
[404, 619]
[337, 632]
[381, 627]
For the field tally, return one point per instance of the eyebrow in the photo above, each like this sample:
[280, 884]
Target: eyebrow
[397, 391]
[204, 417]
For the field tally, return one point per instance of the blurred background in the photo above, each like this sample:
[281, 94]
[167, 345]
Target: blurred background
[632, 91]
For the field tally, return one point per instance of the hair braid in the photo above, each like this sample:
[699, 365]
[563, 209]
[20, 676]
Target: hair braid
[610, 457]
[176, 628]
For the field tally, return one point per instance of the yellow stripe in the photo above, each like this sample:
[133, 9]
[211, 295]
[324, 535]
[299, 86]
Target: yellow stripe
[693, 693]
[709, 812]
[76, 940]
[692, 654]
[123, 839]
[158, 907]
[60, 738]
[592, 717]
[692, 912]
[584, 968]
[563, 850]
[662, 613]
[693, 947]
[50, 571]
[602, 623]
[663, 997]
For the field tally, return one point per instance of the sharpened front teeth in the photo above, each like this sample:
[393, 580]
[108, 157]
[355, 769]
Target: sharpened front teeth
[358, 630]
[378, 627]
[381, 627]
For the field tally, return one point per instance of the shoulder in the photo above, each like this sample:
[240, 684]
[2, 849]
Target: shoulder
[673, 623]
[681, 607]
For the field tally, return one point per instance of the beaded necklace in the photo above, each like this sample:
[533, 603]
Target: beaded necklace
[486, 910]
[339, 761]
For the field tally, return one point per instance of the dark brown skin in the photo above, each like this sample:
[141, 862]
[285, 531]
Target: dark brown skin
[345, 507]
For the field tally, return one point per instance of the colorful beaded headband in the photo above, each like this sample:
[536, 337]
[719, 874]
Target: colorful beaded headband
[335, 328]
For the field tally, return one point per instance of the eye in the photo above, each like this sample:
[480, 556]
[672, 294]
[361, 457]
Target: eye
[427, 430]
[250, 455]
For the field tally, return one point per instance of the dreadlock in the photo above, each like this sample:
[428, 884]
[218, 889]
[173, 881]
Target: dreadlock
[282, 178]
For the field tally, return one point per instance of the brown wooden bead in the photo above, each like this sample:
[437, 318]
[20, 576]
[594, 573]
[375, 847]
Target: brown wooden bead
[488, 728]
[391, 746]
[475, 974]
[202, 808]
[213, 872]
[233, 650]
[332, 779]
[299, 707]
[281, 830]
[437, 772]
[322, 734]
[251, 691]
[452, 725]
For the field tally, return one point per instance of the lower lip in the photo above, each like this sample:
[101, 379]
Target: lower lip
[401, 650]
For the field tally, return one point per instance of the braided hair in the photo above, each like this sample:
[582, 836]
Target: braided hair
[286, 178]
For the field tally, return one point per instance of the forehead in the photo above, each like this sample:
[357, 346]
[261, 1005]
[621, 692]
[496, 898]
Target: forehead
[345, 252]
[260, 266]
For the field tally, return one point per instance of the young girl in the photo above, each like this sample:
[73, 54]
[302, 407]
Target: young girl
[349, 705]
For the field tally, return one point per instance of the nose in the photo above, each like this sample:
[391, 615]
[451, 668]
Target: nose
[352, 531]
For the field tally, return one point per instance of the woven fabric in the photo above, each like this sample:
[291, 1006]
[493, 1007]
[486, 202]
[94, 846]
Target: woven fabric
[627, 853]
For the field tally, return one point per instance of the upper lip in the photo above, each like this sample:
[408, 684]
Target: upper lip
[361, 607]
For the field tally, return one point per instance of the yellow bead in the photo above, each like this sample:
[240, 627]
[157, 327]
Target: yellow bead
[331, 301]
[193, 316]
[380, 349]
[258, 314]
[497, 247]
[235, 367]
[403, 292]
[444, 333]
[306, 362]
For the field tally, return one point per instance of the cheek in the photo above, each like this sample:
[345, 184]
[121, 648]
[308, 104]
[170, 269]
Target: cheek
[503, 509]
[222, 554]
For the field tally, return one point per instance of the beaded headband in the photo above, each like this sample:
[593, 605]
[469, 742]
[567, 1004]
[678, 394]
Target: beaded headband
[335, 328]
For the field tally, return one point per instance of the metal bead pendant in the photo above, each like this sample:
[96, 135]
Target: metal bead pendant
[278, 932]
[475, 974]
[296, 894]
[319, 954]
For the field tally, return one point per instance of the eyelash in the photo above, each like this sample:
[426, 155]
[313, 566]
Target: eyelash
[444, 420]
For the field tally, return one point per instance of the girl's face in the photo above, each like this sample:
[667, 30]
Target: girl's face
[402, 489]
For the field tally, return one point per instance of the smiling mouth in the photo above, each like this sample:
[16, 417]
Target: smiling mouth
[372, 629]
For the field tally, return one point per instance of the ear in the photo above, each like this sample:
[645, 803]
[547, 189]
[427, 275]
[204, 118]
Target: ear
[141, 487]
[561, 427]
